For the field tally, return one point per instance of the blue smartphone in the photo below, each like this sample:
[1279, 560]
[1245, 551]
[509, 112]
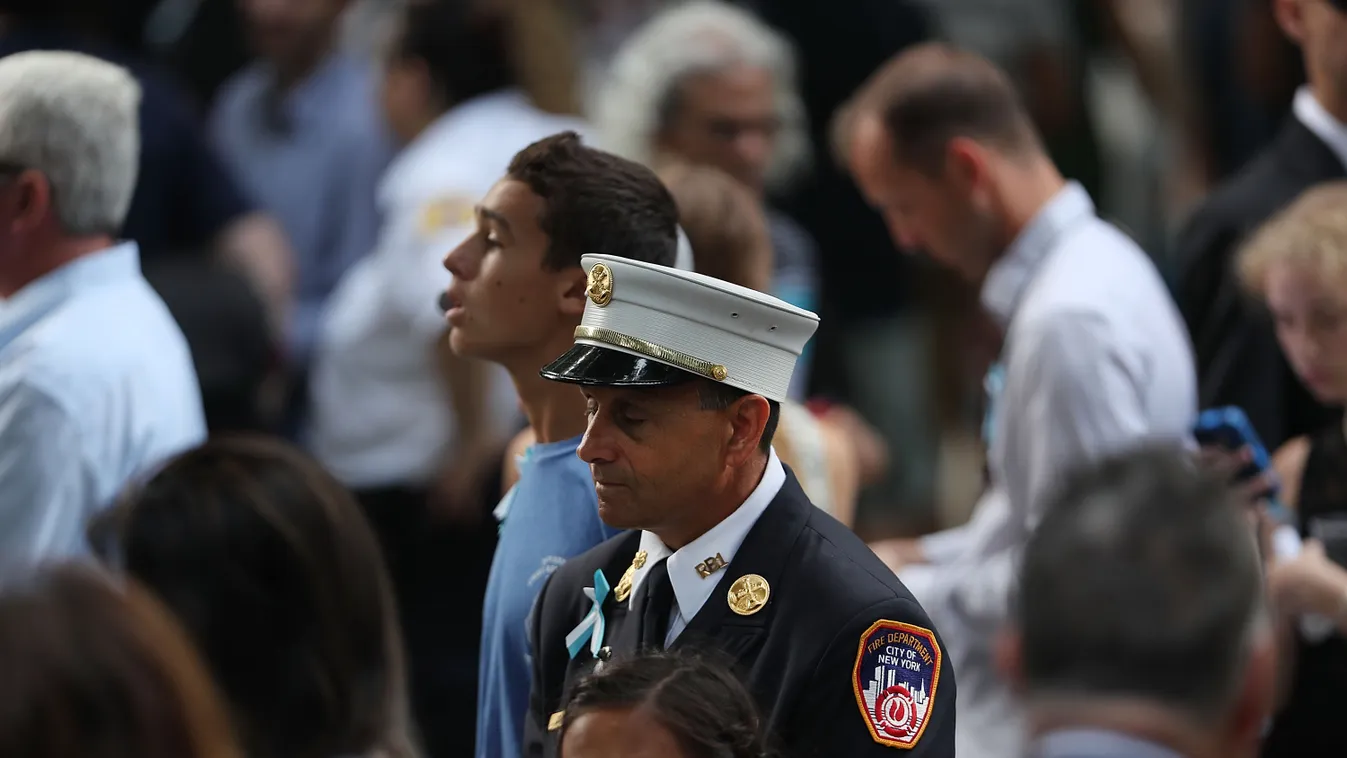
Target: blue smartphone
[1229, 428]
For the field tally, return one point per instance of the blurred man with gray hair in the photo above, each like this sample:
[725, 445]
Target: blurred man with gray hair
[707, 83]
[1140, 625]
[96, 382]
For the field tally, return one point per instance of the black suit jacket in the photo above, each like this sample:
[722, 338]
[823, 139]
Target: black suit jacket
[1238, 359]
[810, 656]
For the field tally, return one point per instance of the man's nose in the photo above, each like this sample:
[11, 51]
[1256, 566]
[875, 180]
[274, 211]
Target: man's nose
[596, 446]
[461, 261]
[754, 149]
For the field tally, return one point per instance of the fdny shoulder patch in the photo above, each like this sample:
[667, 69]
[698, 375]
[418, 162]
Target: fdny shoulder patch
[895, 680]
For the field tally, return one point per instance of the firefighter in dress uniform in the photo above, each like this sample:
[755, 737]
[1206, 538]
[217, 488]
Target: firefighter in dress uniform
[683, 376]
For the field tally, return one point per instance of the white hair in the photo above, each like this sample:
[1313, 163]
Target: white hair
[74, 118]
[691, 38]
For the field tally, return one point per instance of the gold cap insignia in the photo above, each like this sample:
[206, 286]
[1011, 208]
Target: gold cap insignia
[749, 594]
[710, 566]
[623, 588]
[554, 723]
[600, 287]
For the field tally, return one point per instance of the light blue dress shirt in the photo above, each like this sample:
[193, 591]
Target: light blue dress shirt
[96, 387]
[311, 156]
[1096, 743]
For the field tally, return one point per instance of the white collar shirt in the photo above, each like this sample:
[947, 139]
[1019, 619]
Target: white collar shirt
[1323, 124]
[691, 590]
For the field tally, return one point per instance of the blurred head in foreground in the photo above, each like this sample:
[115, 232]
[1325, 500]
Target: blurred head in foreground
[97, 670]
[279, 580]
[1140, 611]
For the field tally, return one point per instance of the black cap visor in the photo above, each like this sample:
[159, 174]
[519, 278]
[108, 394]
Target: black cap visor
[594, 365]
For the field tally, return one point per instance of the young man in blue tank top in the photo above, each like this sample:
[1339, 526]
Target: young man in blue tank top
[517, 295]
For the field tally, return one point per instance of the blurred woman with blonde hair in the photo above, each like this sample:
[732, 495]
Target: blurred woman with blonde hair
[1297, 265]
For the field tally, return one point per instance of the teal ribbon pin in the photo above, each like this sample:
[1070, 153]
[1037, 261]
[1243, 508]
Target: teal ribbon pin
[591, 628]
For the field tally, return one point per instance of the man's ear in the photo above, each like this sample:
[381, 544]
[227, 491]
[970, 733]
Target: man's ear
[748, 420]
[571, 285]
[32, 198]
[1008, 655]
[1290, 17]
[1259, 691]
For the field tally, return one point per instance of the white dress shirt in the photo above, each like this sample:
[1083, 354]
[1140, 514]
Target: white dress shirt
[1096, 360]
[691, 590]
[1318, 120]
[380, 413]
[96, 388]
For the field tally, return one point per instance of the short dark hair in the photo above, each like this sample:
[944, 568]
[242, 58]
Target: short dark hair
[934, 93]
[596, 202]
[279, 580]
[1142, 580]
[715, 396]
[463, 44]
[697, 698]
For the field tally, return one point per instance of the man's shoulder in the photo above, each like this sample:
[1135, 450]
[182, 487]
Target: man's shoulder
[76, 348]
[564, 588]
[615, 551]
[1257, 191]
[241, 90]
[833, 571]
[558, 472]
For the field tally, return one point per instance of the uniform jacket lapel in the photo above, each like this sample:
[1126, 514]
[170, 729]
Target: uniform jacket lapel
[764, 553]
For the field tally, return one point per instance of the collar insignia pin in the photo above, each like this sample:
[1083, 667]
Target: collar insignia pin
[749, 594]
[623, 589]
[710, 566]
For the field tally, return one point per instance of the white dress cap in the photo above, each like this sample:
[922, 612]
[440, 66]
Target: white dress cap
[642, 320]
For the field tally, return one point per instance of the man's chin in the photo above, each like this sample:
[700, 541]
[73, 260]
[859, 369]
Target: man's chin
[617, 515]
[463, 345]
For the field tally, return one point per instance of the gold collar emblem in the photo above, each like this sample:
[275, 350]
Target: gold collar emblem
[623, 588]
[600, 286]
[749, 594]
[710, 566]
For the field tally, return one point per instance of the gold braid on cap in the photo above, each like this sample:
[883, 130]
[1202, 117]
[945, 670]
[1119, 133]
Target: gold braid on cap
[663, 354]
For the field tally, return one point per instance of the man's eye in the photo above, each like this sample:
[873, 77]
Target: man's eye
[491, 241]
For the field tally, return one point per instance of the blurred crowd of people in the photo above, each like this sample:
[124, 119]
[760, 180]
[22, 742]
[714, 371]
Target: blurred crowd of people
[296, 293]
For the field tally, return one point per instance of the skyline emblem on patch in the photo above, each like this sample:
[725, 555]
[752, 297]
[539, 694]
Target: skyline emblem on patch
[895, 680]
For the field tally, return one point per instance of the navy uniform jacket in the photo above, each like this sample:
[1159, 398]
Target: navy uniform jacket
[841, 660]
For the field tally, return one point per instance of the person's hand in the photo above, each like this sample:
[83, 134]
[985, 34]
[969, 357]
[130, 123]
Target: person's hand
[1309, 583]
[872, 453]
[900, 552]
[1227, 464]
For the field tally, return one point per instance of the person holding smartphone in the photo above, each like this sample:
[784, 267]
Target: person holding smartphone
[1297, 264]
